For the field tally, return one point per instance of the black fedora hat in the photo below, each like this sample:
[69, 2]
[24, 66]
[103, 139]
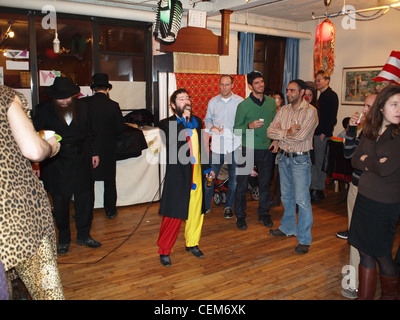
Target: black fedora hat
[62, 88]
[100, 80]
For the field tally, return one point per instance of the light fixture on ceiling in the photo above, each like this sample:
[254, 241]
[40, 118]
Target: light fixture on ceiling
[247, 1]
[324, 47]
[56, 42]
[9, 33]
[380, 11]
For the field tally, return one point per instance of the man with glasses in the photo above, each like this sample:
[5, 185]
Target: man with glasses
[219, 122]
[328, 104]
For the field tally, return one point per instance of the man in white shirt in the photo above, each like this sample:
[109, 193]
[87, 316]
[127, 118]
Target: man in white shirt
[219, 123]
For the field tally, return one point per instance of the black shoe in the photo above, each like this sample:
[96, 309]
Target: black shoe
[343, 234]
[315, 196]
[277, 233]
[302, 248]
[62, 248]
[228, 213]
[165, 260]
[111, 215]
[266, 220]
[89, 242]
[241, 223]
[195, 251]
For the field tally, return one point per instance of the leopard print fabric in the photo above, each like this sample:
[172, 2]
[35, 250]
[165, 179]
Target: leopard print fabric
[25, 211]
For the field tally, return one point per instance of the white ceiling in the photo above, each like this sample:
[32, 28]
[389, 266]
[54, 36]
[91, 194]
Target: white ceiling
[292, 10]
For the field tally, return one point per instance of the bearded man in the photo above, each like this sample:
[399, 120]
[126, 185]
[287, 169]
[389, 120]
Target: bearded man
[182, 197]
[69, 173]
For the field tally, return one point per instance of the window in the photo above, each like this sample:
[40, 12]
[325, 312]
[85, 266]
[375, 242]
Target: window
[14, 51]
[75, 57]
[269, 58]
[121, 48]
[122, 53]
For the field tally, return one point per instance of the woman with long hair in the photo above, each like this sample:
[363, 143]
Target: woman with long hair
[377, 207]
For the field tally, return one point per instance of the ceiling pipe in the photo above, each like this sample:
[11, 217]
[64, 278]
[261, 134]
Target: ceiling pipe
[140, 15]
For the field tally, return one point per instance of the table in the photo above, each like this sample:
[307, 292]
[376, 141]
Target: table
[137, 178]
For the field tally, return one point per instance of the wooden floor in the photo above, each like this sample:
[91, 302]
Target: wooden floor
[238, 265]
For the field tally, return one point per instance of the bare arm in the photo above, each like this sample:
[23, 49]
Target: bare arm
[30, 143]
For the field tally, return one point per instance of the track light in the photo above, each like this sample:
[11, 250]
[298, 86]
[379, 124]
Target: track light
[56, 44]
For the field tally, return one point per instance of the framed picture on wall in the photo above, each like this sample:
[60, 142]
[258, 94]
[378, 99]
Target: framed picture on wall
[357, 84]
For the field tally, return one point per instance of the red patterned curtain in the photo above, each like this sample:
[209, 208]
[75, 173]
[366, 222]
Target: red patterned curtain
[202, 87]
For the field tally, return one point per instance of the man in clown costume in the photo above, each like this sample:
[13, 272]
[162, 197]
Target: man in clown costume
[182, 196]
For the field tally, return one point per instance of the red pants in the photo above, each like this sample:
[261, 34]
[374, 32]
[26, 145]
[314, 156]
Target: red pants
[168, 233]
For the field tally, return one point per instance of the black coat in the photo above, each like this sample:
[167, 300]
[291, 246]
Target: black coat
[178, 178]
[107, 124]
[70, 170]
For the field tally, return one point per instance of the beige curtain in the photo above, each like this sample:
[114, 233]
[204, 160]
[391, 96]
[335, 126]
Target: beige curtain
[196, 63]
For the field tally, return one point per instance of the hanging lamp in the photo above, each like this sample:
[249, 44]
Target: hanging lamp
[324, 47]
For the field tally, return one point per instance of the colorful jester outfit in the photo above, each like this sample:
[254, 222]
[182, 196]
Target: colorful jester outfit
[182, 197]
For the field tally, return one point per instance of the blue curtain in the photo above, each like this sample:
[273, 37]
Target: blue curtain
[291, 66]
[246, 52]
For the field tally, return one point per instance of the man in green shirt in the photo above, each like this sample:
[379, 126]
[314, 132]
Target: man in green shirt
[253, 117]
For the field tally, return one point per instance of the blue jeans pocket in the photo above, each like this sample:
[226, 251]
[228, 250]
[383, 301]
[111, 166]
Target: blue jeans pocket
[302, 160]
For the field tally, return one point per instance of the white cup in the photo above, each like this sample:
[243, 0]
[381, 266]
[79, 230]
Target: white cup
[48, 134]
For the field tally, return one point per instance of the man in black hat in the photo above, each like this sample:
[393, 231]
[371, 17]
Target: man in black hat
[69, 173]
[107, 124]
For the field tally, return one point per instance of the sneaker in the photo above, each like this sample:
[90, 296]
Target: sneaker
[302, 248]
[266, 220]
[228, 213]
[207, 211]
[349, 293]
[343, 234]
[241, 223]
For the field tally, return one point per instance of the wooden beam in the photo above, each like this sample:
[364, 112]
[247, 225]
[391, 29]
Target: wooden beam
[224, 38]
[202, 40]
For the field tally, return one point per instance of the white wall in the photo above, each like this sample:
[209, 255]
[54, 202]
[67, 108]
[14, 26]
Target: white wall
[369, 44]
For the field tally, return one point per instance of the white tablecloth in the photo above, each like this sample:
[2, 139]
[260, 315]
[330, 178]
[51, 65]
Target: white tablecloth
[137, 178]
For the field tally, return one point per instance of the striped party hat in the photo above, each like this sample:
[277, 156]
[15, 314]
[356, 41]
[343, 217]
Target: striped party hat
[391, 70]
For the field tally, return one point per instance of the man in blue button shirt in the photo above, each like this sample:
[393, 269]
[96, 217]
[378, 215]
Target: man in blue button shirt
[219, 123]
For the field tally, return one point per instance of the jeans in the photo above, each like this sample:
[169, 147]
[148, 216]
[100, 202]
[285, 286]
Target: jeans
[217, 160]
[263, 161]
[295, 179]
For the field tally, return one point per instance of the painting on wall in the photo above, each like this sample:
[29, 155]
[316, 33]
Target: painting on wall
[357, 84]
